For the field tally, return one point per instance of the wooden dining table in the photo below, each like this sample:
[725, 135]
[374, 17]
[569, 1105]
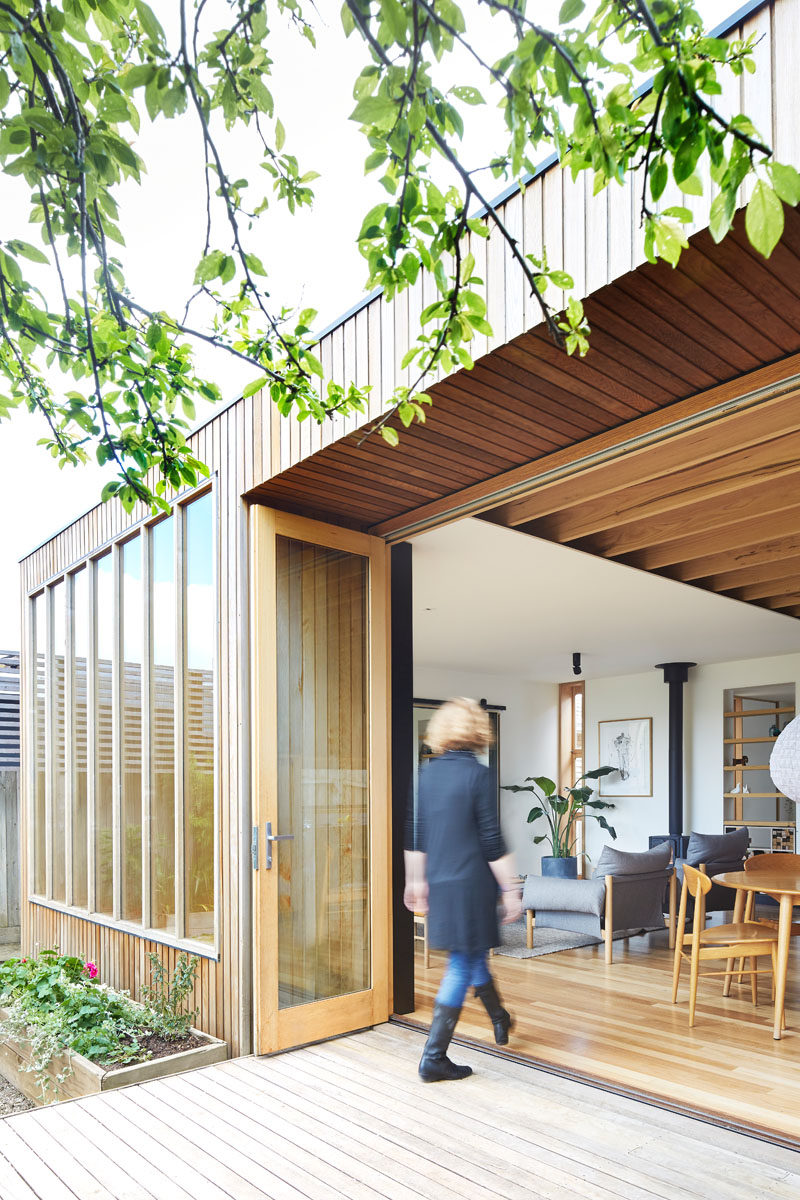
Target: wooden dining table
[785, 887]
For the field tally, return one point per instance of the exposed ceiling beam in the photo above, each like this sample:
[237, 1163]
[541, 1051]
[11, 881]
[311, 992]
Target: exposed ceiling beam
[768, 587]
[732, 434]
[741, 479]
[760, 504]
[737, 577]
[744, 537]
[711, 558]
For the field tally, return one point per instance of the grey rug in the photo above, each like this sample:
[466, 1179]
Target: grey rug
[545, 941]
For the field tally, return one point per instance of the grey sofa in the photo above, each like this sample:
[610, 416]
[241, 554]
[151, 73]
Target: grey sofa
[714, 853]
[627, 892]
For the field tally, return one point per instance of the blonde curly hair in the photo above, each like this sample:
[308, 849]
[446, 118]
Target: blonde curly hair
[459, 724]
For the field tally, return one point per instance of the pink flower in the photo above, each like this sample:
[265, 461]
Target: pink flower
[91, 970]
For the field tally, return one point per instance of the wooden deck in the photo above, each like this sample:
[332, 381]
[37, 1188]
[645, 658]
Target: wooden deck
[350, 1119]
[617, 1025]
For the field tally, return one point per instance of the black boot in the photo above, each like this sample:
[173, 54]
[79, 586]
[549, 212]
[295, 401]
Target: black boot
[434, 1064]
[500, 1018]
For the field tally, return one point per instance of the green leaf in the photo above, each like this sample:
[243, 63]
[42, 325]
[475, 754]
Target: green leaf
[313, 363]
[28, 251]
[390, 435]
[394, 15]
[669, 239]
[468, 95]
[723, 208]
[149, 21]
[691, 186]
[375, 110]
[684, 215]
[209, 267]
[786, 182]
[686, 157]
[569, 10]
[280, 135]
[764, 218]
[255, 386]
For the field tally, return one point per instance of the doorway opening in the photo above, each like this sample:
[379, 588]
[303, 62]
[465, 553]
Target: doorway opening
[498, 613]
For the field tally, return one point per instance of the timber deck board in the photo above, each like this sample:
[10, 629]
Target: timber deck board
[350, 1119]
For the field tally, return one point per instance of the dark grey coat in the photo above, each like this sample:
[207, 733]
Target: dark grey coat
[458, 831]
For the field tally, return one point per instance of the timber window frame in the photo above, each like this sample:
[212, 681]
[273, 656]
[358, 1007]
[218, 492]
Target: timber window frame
[40, 604]
[571, 751]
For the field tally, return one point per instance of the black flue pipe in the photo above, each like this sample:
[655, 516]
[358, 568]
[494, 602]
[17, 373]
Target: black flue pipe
[675, 675]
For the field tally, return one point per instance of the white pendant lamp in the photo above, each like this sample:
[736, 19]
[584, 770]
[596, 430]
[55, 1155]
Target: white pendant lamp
[784, 762]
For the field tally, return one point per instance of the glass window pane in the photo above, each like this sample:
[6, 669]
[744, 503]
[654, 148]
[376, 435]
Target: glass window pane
[38, 734]
[58, 741]
[131, 744]
[323, 773]
[577, 714]
[80, 597]
[162, 818]
[198, 763]
[103, 848]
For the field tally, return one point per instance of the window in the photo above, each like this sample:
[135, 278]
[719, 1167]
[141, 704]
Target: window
[162, 718]
[124, 655]
[132, 617]
[80, 736]
[104, 685]
[198, 749]
[571, 751]
[38, 741]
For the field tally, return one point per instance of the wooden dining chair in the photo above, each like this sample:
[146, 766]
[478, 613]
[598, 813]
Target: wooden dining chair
[421, 935]
[743, 940]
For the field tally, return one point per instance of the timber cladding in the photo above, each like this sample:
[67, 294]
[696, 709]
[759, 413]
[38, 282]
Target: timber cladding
[231, 445]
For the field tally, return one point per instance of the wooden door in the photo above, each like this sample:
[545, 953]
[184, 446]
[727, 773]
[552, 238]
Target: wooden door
[320, 779]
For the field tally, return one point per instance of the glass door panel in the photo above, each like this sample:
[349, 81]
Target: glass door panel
[323, 772]
[320, 779]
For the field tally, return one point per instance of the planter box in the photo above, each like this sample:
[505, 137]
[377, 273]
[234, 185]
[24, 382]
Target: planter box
[87, 1078]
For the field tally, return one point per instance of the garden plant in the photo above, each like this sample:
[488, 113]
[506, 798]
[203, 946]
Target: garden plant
[56, 1004]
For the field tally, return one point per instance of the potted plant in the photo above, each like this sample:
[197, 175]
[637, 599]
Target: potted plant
[561, 811]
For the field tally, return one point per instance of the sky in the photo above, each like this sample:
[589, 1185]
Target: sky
[312, 258]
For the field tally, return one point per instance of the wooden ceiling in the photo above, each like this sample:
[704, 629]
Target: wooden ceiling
[719, 509]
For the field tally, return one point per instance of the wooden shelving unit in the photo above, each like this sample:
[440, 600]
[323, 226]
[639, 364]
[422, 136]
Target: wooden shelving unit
[774, 835]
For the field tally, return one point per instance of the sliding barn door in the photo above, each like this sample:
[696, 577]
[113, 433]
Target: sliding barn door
[320, 779]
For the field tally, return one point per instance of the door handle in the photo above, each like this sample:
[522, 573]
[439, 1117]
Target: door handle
[271, 837]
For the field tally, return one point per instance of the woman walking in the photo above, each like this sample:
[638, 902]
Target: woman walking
[456, 861]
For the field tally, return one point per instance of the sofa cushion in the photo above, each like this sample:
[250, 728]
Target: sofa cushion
[562, 895]
[626, 862]
[717, 848]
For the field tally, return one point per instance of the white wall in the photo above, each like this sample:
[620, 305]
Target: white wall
[528, 739]
[635, 817]
[645, 695]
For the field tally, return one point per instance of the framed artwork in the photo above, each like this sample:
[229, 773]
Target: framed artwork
[626, 745]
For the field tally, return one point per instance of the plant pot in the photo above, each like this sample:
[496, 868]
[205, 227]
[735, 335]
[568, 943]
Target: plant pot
[564, 868]
[86, 1078]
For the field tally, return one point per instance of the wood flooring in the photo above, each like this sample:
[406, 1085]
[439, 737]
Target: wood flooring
[616, 1025]
[350, 1120]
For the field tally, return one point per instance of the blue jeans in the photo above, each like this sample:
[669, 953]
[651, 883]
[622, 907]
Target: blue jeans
[463, 971]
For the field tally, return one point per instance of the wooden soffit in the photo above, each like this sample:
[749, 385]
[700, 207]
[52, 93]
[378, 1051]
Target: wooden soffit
[673, 446]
